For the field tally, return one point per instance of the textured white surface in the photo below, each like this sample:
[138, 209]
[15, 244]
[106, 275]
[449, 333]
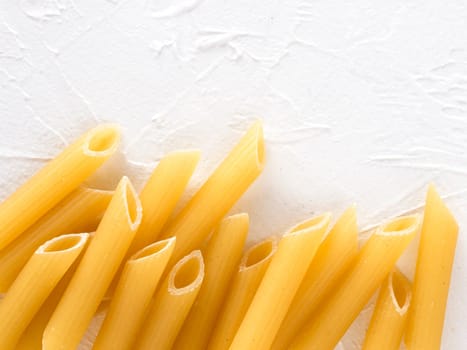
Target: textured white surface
[362, 101]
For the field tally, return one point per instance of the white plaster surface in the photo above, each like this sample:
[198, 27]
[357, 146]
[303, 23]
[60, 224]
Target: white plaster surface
[362, 101]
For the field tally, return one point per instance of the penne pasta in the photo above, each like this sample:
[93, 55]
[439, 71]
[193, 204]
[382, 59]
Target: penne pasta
[161, 193]
[252, 267]
[133, 295]
[55, 181]
[80, 211]
[218, 194]
[389, 318]
[96, 270]
[31, 339]
[433, 275]
[181, 281]
[221, 258]
[373, 263]
[172, 303]
[275, 293]
[41, 274]
[332, 259]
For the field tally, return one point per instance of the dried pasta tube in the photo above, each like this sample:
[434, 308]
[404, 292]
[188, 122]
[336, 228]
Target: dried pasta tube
[172, 303]
[221, 258]
[332, 259]
[133, 295]
[36, 281]
[388, 323]
[432, 275]
[96, 270]
[218, 194]
[245, 283]
[55, 181]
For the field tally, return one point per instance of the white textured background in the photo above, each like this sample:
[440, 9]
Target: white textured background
[362, 101]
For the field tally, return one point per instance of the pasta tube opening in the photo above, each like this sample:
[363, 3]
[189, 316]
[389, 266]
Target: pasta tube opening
[187, 274]
[400, 292]
[153, 249]
[133, 206]
[102, 140]
[315, 223]
[64, 243]
[400, 226]
[258, 253]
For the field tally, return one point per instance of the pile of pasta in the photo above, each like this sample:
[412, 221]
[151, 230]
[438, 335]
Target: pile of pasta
[184, 281]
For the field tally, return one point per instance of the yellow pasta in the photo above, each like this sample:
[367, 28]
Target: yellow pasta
[252, 267]
[280, 283]
[133, 295]
[31, 339]
[433, 275]
[193, 289]
[221, 258]
[172, 303]
[218, 194]
[161, 193]
[373, 263]
[80, 211]
[55, 181]
[96, 270]
[332, 259]
[35, 282]
[389, 318]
